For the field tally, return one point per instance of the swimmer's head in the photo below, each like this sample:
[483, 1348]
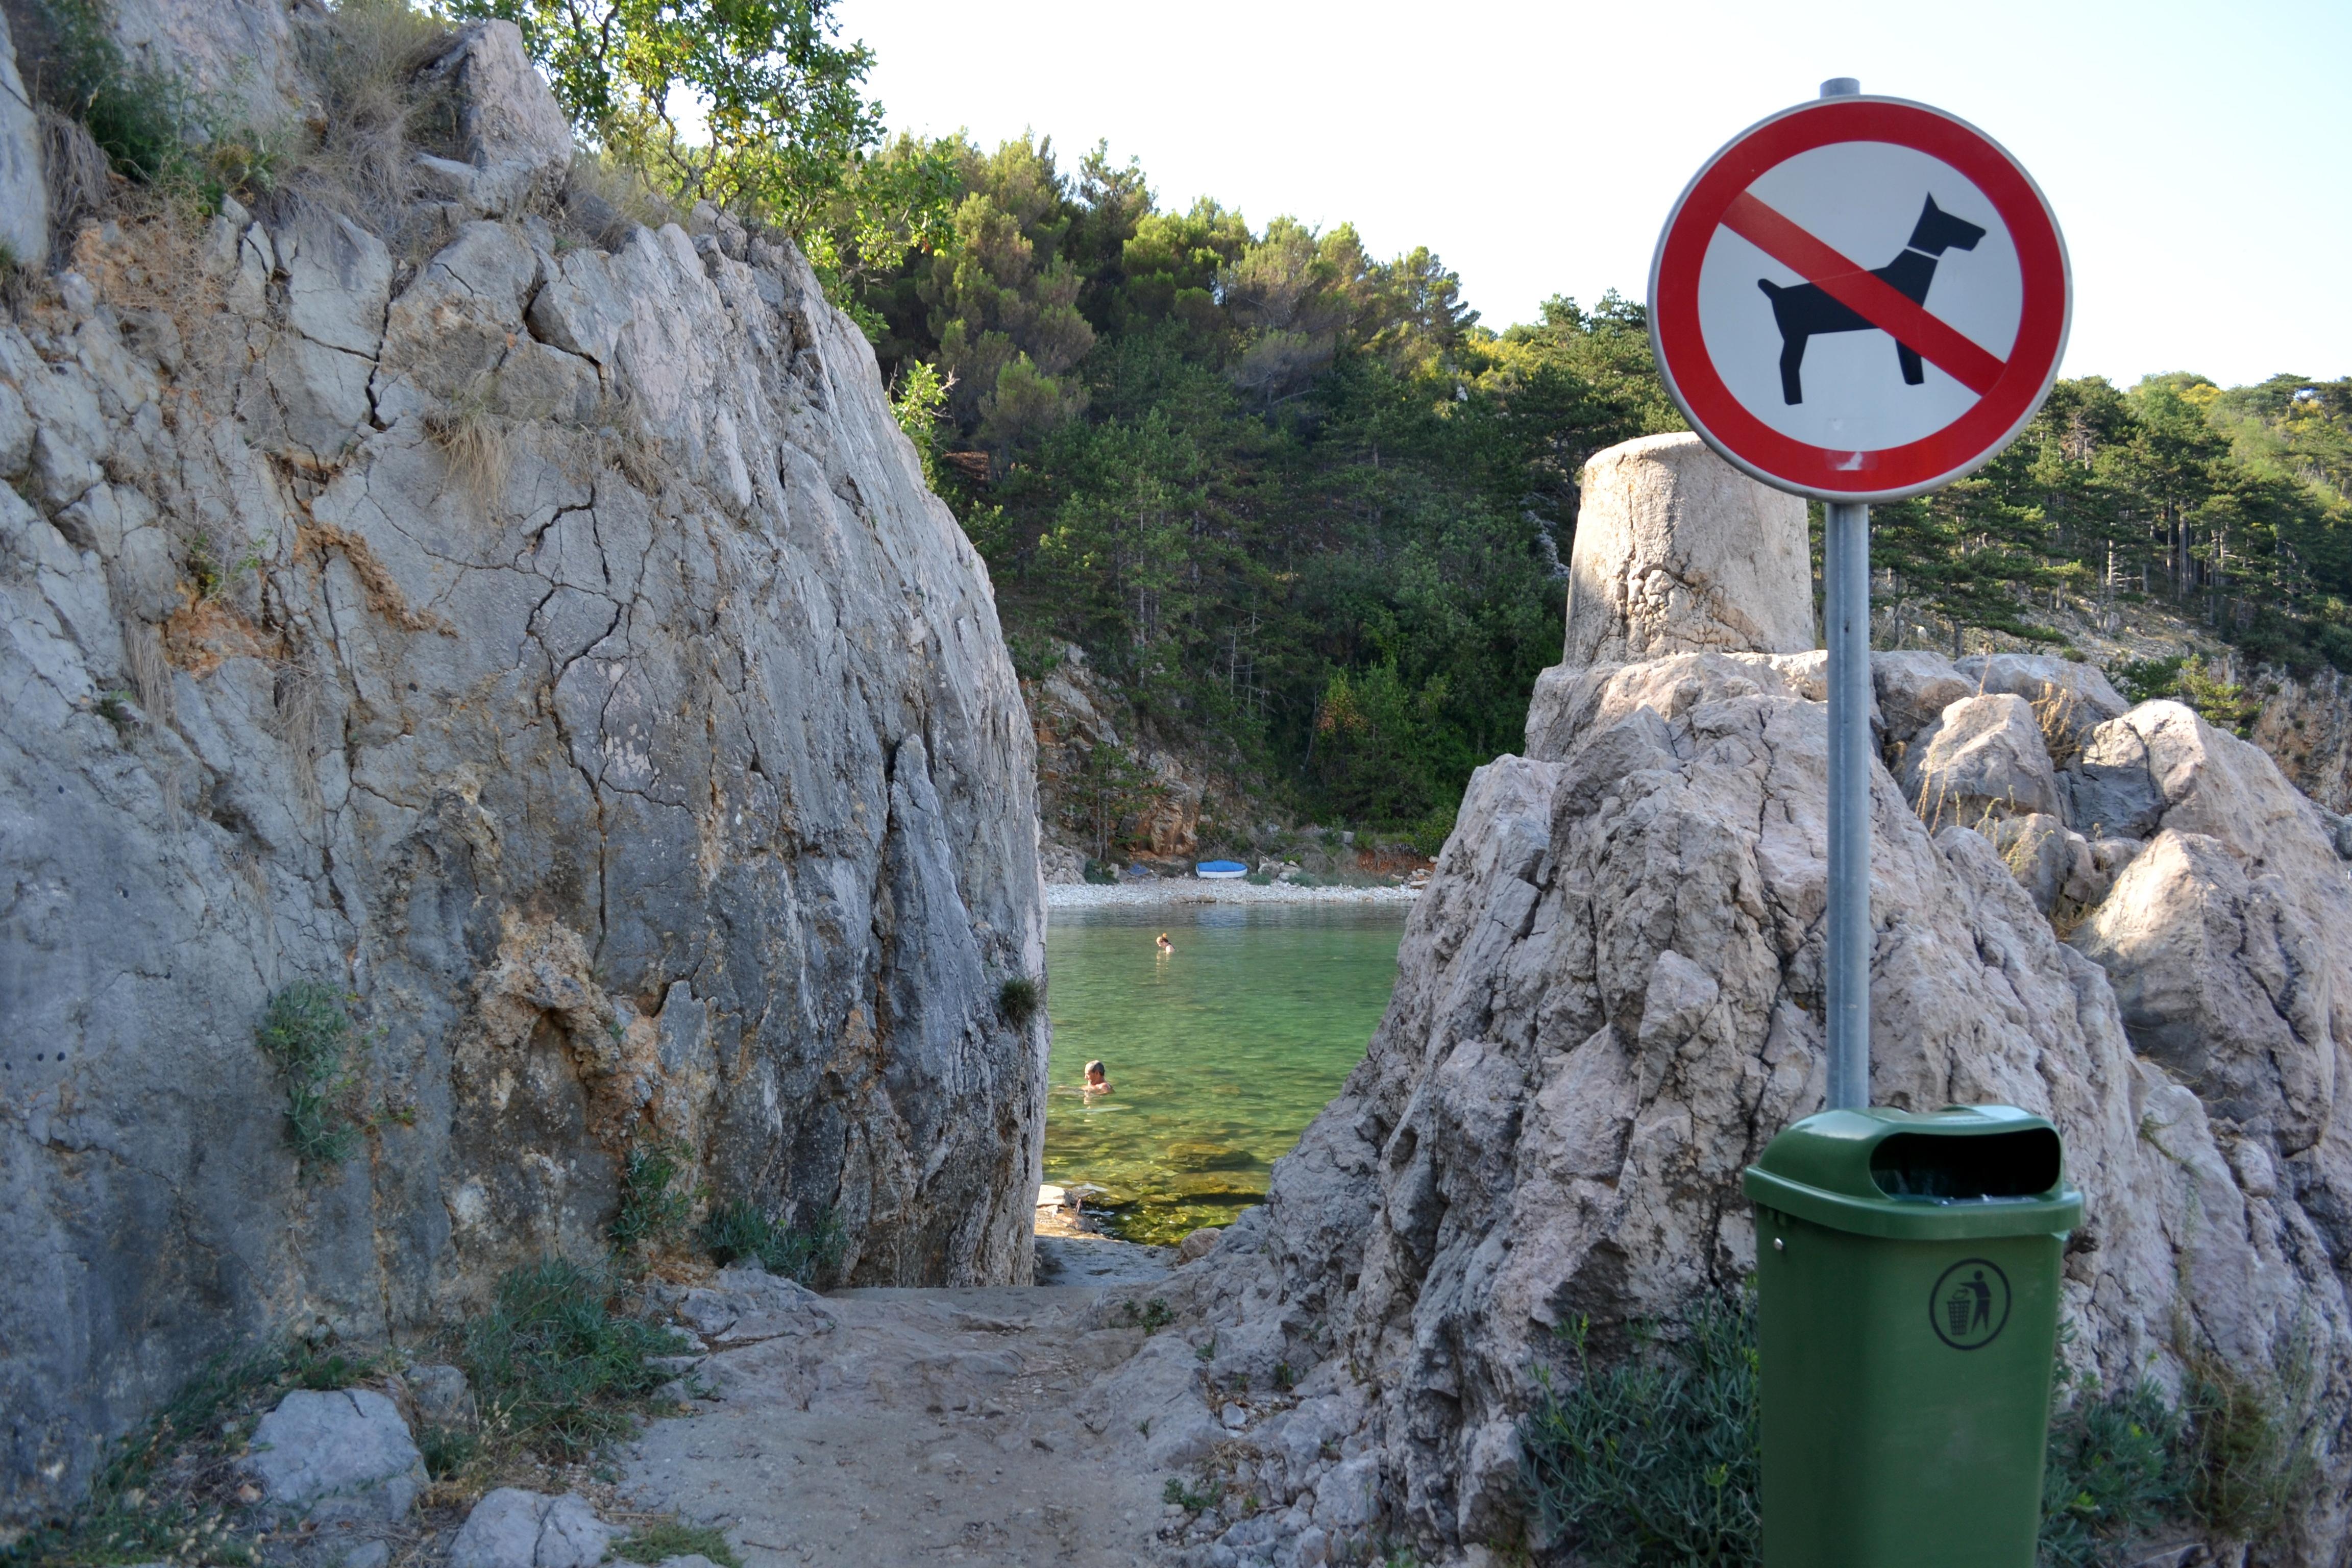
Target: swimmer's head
[1094, 1069]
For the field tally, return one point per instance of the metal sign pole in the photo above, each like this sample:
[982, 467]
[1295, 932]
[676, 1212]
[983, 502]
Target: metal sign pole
[1846, 582]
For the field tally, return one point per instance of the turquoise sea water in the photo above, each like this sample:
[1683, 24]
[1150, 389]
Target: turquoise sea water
[1218, 1054]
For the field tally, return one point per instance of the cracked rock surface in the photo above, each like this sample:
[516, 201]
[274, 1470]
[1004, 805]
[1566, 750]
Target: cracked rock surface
[562, 657]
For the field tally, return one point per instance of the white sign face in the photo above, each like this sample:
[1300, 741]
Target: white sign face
[1860, 299]
[1918, 221]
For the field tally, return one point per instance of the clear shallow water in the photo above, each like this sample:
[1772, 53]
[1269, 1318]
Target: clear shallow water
[1218, 1055]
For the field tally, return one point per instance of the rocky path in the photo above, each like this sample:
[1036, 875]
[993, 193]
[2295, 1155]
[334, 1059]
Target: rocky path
[887, 1427]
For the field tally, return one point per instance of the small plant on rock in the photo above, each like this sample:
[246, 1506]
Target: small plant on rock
[738, 1232]
[1186, 1498]
[558, 1369]
[1655, 1460]
[659, 1540]
[2111, 1477]
[2249, 1442]
[656, 1201]
[1017, 999]
[1154, 1316]
[307, 1033]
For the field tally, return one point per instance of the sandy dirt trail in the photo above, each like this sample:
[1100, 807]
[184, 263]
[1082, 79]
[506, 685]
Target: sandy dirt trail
[887, 1427]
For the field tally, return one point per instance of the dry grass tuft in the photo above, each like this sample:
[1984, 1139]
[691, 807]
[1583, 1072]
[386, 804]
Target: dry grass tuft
[2058, 710]
[473, 439]
[80, 182]
[365, 56]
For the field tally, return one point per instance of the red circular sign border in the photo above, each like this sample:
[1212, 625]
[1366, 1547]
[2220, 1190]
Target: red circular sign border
[1893, 472]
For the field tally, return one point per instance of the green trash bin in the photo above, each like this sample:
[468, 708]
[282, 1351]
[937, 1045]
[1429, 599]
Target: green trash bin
[1906, 1282]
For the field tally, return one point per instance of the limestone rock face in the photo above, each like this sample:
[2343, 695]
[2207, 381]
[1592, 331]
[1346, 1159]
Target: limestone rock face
[1609, 1000]
[1678, 551]
[238, 54]
[562, 657]
[24, 192]
[2306, 724]
[1913, 688]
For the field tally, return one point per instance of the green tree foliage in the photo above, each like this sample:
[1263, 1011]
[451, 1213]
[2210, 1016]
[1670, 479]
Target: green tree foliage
[2227, 506]
[1294, 500]
[755, 105]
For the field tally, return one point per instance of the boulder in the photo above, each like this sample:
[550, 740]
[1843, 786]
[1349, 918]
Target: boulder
[238, 59]
[516, 141]
[344, 1457]
[1678, 551]
[2220, 981]
[511, 1528]
[1983, 757]
[439, 1395]
[1199, 1244]
[2049, 860]
[1914, 687]
[2070, 698]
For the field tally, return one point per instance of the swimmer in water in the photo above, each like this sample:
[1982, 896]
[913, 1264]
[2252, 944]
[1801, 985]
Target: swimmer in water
[1096, 1082]
[1165, 945]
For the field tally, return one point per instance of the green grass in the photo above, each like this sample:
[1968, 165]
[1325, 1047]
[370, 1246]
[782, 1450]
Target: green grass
[308, 1035]
[447, 1449]
[663, 1539]
[1018, 1000]
[555, 1367]
[737, 1233]
[2249, 1442]
[656, 1203]
[1176, 1492]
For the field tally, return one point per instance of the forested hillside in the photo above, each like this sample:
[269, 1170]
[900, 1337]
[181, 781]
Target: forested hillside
[1293, 499]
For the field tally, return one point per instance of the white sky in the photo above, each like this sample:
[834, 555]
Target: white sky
[2199, 157]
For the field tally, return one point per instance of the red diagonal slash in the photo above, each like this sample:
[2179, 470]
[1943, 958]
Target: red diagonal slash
[1856, 287]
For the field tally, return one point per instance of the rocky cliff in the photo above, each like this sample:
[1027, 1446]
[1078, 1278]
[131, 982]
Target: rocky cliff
[1610, 1000]
[535, 632]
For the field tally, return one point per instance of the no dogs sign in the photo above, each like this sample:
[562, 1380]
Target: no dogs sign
[1860, 299]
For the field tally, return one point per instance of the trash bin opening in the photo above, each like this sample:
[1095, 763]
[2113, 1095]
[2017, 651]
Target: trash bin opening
[2019, 1164]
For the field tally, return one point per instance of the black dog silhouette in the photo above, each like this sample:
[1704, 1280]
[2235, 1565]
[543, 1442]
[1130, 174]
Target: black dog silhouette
[1805, 310]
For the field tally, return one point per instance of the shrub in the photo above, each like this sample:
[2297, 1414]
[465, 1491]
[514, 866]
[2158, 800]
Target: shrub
[1017, 999]
[142, 117]
[304, 1031]
[2113, 1475]
[738, 1232]
[2248, 1443]
[1655, 1460]
[556, 1368]
[663, 1539]
[655, 1203]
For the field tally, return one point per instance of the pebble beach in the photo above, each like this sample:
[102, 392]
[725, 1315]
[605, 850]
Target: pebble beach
[1200, 890]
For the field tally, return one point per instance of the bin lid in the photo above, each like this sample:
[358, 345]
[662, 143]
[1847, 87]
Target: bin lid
[1962, 1171]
